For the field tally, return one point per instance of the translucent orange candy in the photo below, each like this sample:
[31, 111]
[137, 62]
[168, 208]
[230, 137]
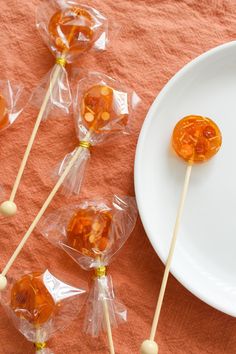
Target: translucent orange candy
[31, 300]
[88, 231]
[4, 118]
[98, 110]
[196, 138]
[72, 30]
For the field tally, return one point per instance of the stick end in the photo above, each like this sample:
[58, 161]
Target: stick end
[8, 208]
[149, 347]
[3, 282]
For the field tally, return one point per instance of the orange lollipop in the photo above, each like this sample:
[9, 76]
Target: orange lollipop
[40, 304]
[100, 108]
[88, 231]
[31, 301]
[195, 139]
[72, 30]
[91, 233]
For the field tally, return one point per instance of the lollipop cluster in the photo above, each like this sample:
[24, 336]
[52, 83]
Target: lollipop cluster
[93, 231]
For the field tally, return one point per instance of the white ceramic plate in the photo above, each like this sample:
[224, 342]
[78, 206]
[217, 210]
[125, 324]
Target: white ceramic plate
[205, 256]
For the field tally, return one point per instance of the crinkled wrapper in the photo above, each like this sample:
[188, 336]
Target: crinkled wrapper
[12, 103]
[99, 26]
[124, 216]
[101, 296]
[71, 299]
[53, 94]
[125, 102]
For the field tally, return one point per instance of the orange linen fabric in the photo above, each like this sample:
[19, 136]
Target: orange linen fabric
[156, 38]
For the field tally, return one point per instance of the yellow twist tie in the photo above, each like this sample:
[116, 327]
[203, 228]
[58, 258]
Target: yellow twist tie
[61, 61]
[100, 272]
[40, 346]
[85, 144]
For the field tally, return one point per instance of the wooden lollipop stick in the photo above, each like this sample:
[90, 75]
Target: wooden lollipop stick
[39, 341]
[171, 253]
[43, 108]
[53, 81]
[107, 319]
[43, 209]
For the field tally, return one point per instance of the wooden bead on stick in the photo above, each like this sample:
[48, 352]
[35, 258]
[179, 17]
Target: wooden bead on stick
[3, 282]
[8, 208]
[149, 347]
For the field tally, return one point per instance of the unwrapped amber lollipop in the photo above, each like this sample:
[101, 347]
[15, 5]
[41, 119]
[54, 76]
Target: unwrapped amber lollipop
[195, 139]
[68, 29]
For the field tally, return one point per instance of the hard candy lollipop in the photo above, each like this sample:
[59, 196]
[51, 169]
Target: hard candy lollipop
[69, 29]
[40, 304]
[91, 233]
[120, 108]
[103, 108]
[195, 139]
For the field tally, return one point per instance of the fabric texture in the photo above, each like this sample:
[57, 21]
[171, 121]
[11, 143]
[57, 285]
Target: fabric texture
[151, 40]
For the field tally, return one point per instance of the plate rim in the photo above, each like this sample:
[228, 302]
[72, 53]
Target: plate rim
[137, 163]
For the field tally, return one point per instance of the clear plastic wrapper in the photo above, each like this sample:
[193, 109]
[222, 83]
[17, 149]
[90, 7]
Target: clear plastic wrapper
[40, 304]
[69, 29]
[91, 233]
[11, 103]
[103, 108]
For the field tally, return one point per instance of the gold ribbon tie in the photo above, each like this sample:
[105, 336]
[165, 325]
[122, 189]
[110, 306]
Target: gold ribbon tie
[61, 61]
[40, 346]
[100, 271]
[85, 144]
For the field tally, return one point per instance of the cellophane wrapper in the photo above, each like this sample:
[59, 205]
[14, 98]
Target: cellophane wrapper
[12, 102]
[102, 290]
[124, 104]
[54, 93]
[56, 83]
[124, 215]
[68, 298]
[98, 26]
